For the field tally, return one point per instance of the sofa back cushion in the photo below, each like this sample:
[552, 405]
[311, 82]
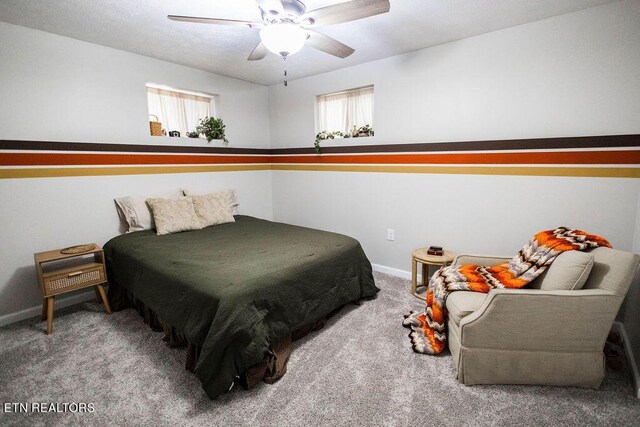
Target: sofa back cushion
[569, 271]
[613, 270]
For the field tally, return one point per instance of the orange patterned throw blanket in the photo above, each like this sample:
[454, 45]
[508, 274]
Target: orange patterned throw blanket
[428, 329]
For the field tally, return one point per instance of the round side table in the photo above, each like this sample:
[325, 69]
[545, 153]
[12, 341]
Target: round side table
[421, 256]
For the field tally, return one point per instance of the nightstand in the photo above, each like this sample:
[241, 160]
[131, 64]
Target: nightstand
[421, 256]
[70, 269]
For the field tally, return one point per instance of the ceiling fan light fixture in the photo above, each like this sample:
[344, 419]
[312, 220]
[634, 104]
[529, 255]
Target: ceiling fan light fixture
[283, 38]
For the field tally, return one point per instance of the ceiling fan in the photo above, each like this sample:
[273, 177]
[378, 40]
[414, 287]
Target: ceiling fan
[287, 26]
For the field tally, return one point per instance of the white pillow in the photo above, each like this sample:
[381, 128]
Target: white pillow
[173, 215]
[212, 209]
[231, 196]
[135, 211]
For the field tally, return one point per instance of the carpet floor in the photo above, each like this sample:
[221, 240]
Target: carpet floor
[358, 370]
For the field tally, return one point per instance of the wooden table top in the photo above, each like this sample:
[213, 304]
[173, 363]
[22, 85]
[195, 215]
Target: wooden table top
[422, 256]
[55, 254]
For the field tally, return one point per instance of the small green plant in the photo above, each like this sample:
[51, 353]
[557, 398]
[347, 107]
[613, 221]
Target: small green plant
[320, 136]
[212, 128]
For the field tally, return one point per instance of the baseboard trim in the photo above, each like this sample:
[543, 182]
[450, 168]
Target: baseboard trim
[28, 313]
[628, 351]
[393, 271]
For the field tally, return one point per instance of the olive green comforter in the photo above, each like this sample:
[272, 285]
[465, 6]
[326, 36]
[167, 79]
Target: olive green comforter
[236, 288]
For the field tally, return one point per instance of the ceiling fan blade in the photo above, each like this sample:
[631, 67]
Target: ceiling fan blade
[328, 44]
[258, 53]
[216, 21]
[270, 6]
[344, 12]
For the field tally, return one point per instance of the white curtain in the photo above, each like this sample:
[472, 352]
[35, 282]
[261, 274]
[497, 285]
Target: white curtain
[178, 111]
[344, 110]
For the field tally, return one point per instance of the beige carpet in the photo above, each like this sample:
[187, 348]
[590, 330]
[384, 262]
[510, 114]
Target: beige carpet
[359, 370]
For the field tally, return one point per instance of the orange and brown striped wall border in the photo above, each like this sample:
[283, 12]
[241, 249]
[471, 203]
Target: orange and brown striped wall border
[616, 156]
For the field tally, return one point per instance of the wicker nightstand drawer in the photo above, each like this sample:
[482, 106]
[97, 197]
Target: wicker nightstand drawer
[76, 278]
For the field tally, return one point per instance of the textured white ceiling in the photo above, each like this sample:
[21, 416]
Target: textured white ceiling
[141, 26]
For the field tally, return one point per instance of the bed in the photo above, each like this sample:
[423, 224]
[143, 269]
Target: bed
[236, 289]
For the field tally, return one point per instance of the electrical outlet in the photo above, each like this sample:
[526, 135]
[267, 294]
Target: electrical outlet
[391, 234]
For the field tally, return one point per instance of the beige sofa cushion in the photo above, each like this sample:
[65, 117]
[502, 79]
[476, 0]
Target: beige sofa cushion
[462, 303]
[569, 271]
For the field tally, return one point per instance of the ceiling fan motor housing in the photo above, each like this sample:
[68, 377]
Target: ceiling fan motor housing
[291, 11]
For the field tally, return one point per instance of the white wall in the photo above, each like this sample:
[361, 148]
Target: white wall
[565, 76]
[575, 74]
[43, 214]
[464, 213]
[55, 88]
[570, 75]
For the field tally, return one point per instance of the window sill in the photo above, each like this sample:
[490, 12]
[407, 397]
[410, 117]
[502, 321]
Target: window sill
[184, 141]
[182, 138]
[349, 138]
[174, 137]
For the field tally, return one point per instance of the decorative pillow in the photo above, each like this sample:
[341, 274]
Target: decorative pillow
[212, 209]
[174, 215]
[569, 271]
[231, 196]
[134, 210]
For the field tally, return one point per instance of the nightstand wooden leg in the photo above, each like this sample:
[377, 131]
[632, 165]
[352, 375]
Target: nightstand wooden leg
[95, 288]
[414, 276]
[49, 315]
[44, 309]
[103, 297]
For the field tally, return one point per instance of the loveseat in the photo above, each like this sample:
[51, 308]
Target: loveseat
[551, 332]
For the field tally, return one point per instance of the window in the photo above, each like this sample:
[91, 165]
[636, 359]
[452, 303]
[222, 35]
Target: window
[341, 111]
[178, 110]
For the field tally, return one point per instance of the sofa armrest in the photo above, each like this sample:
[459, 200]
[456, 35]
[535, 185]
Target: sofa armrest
[531, 319]
[484, 260]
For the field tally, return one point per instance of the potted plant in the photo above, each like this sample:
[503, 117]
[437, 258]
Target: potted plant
[212, 128]
[365, 130]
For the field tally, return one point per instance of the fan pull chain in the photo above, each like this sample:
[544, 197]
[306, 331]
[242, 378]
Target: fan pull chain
[284, 63]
